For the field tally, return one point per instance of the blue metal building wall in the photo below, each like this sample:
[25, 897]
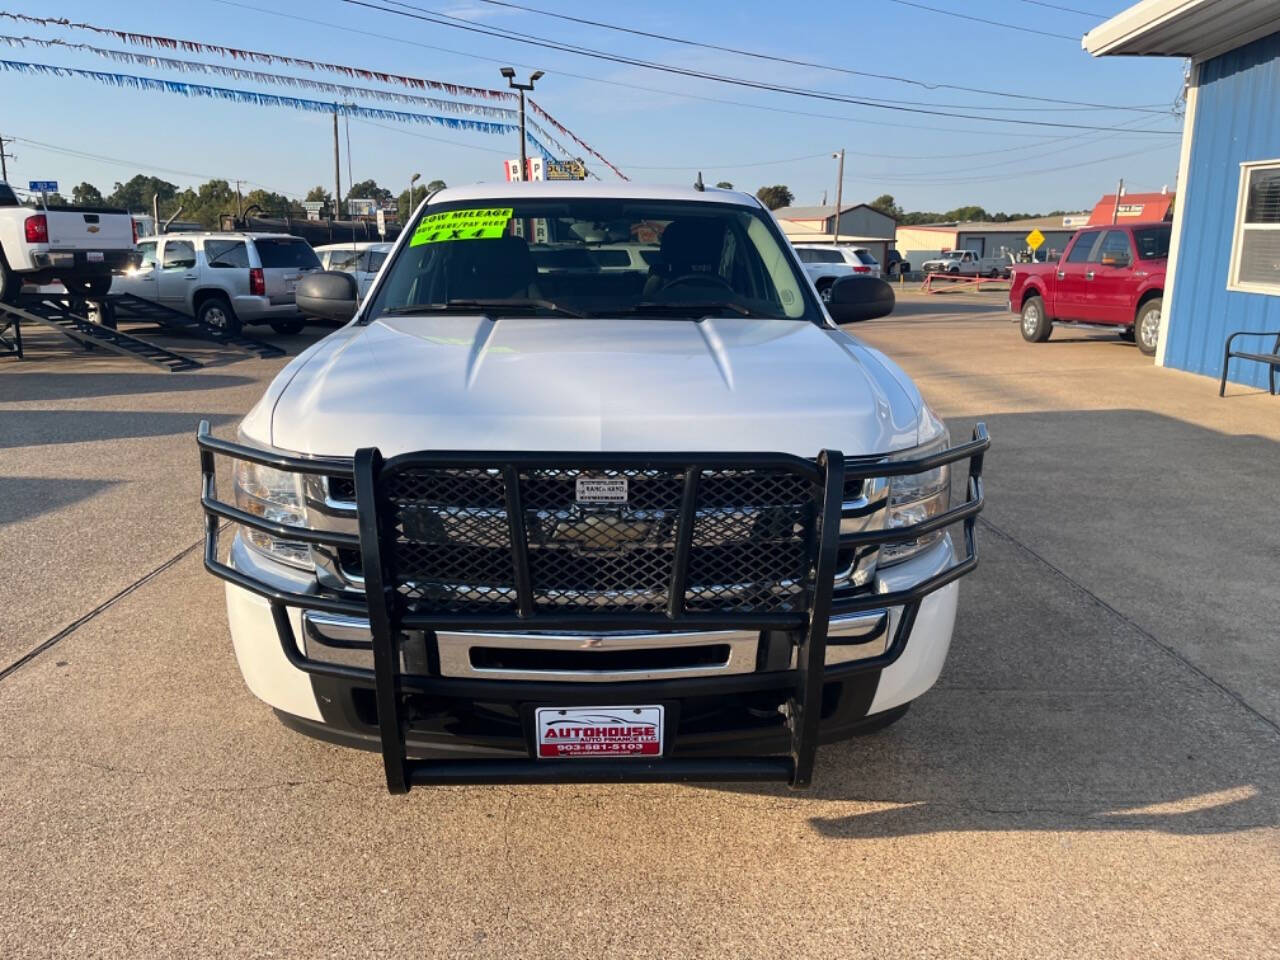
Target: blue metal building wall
[1237, 120]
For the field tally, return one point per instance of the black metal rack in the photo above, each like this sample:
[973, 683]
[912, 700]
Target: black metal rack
[63, 316]
[390, 608]
[127, 306]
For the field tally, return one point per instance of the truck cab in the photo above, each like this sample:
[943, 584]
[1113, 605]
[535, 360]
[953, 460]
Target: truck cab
[1109, 275]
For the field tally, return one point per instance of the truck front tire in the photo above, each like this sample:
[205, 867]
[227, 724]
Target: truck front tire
[1036, 325]
[1146, 326]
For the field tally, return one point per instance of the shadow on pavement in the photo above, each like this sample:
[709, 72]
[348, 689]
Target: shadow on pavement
[22, 498]
[67, 386]
[34, 428]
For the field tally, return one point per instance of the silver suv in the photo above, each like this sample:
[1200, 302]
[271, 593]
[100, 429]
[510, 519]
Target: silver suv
[224, 279]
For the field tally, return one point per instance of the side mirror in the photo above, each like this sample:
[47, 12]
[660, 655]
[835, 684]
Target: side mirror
[1115, 260]
[329, 295]
[855, 298]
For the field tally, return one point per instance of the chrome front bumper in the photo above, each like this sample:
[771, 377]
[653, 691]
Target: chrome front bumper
[334, 638]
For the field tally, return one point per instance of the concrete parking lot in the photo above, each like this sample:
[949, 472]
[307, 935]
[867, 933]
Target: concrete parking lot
[1096, 774]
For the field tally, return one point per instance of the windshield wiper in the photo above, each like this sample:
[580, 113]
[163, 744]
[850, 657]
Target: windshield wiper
[693, 308]
[484, 306]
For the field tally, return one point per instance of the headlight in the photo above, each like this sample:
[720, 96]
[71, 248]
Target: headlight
[916, 498]
[273, 495]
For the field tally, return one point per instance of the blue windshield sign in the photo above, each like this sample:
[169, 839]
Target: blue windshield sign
[42, 186]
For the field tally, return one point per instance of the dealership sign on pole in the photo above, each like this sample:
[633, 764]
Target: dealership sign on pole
[313, 208]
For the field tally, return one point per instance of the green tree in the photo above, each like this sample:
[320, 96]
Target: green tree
[272, 204]
[775, 196]
[964, 214]
[136, 194]
[320, 194]
[87, 195]
[208, 203]
[368, 189]
[724, 185]
[407, 204]
[887, 205]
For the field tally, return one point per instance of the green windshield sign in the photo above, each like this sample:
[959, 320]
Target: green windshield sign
[484, 223]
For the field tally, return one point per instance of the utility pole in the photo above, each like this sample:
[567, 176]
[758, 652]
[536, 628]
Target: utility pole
[337, 166]
[510, 74]
[835, 230]
[239, 203]
[4, 167]
[1115, 211]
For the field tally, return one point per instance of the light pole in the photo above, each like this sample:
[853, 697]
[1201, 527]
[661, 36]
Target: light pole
[835, 230]
[510, 74]
[412, 180]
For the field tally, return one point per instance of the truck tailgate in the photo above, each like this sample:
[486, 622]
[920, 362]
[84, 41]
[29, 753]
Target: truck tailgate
[86, 230]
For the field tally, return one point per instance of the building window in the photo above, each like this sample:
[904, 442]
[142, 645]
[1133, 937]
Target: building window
[1255, 247]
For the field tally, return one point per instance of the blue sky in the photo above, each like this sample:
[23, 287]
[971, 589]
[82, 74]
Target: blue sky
[663, 133]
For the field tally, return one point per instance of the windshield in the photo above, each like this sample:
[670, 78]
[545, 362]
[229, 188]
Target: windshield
[575, 256]
[1153, 242]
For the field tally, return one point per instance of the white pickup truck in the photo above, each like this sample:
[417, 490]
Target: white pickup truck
[966, 263]
[519, 524]
[80, 247]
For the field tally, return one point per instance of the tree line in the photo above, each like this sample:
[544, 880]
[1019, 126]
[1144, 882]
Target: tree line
[207, 203]
[779, 195]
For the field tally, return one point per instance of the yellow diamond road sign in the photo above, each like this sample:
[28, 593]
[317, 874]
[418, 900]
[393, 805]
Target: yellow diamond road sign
[1034, 239]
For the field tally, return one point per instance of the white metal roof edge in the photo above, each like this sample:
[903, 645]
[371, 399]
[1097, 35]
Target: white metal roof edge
[1130, 24]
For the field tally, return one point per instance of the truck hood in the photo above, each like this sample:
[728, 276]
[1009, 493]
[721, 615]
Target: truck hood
[564, 384]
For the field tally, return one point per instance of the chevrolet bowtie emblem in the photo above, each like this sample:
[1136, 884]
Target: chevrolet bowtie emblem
[601, 532]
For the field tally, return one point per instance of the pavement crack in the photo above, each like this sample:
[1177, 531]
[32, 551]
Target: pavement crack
[101, 608]
[1146, 634]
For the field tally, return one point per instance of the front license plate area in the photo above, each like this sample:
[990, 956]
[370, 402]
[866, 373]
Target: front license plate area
[575, 732]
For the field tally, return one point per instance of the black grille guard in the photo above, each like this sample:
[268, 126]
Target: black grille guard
[388, 613]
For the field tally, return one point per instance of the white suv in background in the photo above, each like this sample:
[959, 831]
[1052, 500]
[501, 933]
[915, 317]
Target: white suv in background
[226, 280]
[362, 260]
[826, 263]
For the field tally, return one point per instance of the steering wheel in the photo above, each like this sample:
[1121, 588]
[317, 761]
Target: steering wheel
[701, 279]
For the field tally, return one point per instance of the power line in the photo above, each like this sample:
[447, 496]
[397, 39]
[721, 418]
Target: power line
[962, 181]
[1055, 6]
[635, 86]
[992, 23]
[1078, 140]
[529, 39]
[139, 164]
[788, 60]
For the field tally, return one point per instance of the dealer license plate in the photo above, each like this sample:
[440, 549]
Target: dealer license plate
[94, 256]
[599, 731]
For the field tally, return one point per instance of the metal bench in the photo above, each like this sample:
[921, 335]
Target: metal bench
[1272, 359]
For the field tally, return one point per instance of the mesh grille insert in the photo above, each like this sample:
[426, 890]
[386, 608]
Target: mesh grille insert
[447, 540]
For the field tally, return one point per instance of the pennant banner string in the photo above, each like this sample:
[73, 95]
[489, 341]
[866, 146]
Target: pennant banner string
[270, 99]
[238, 73]
[258, 56]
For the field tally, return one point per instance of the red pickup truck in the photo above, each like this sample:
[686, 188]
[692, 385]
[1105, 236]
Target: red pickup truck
[1108, 276]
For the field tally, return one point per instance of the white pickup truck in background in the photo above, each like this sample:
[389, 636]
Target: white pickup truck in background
[79, 247]
[966, 263]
